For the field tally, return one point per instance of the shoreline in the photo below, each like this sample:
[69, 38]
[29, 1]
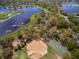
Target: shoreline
[1, 21]
[16, 32]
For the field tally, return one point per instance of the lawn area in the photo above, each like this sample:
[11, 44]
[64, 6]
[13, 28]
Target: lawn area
[50, 55]
[6, 15]
[21, 54]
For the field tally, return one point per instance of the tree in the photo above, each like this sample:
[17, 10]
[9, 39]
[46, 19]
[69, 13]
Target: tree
[75, 28]
[7, 53]
[75, 53]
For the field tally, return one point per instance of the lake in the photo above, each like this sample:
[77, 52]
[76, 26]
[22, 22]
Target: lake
[71, 7]
[17, 21]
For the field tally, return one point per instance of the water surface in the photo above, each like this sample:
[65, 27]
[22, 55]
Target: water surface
[71, 7]
[17, 21]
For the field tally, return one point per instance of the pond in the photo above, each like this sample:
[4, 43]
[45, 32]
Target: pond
[71, 7]
[17, 21]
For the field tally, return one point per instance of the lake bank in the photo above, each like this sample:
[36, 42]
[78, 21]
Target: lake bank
[22, 26]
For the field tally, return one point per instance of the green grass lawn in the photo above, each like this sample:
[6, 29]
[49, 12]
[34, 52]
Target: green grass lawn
[3, 16]
[22, 54]
[50, 54]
